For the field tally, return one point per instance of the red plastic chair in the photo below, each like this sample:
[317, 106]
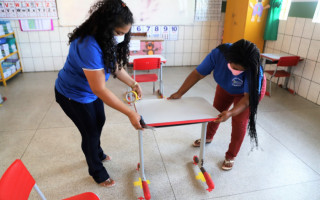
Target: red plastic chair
[144, 64]
[288, 61]
[16, 184]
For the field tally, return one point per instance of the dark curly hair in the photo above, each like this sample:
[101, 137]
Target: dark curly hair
[105, 16]
[246, 54]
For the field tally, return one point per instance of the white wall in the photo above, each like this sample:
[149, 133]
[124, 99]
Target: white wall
[299, 36]
[47, 50]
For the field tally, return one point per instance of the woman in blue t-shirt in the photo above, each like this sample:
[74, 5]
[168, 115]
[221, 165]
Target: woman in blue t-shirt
[240, 81]
[98, 47]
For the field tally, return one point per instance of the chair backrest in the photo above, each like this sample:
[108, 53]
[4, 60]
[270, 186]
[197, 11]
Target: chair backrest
[146, 63]
[288, 61]
[16, 182]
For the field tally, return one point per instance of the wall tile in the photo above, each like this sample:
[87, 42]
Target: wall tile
[54, 35]
[22, 37]
[316, 32]
[314, 50]
[304, 87]
[286, 43]
[46, 49]
[214, 23]
[188, 32]
[205, 32]
[279, 41]
[34, 36]
[27, 64]
[56, 49]
[290, 25]
[196, 32]
[202, 57]
[178, 46]
[304, 47]
[308, 69]
[186, 59]
[195, 58]
[48, 63]
[64, 48]
[298, 70]
[58, 63]
[170, 59]
[213, 35]
[196, 46]
[170, 47]
[178, 59]
[308, 29]
[294, 82]
[212, 45]
[316, 74]
[298, 28]
[294, 46]
[282, 26]
[25, 50]
[38, 63]
[313, 93]
[36, 50]
[204, 46]
[44, 36]
[187, 46]
[181, 33]
[63, 32]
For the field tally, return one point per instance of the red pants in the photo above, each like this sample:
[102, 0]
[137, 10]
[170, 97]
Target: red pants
[222, 101]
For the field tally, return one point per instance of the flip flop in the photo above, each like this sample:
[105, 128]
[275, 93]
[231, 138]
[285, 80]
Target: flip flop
[197, 143]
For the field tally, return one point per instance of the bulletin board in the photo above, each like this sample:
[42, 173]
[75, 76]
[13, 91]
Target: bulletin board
[145, 12]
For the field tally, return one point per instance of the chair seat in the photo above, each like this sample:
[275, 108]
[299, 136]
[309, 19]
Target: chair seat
[279, 73]
[146, 78]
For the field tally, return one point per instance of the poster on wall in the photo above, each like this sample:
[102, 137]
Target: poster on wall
[208, 10]
[28, 9]
[164, 32]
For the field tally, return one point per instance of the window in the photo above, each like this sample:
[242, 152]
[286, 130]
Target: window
[285, 7]
[316, 16]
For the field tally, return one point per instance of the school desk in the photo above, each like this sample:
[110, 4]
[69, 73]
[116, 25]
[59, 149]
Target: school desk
[162, 60]
[273, 58]
[159, 113]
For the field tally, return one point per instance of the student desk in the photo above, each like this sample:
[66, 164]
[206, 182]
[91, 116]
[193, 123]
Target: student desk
[163, 113]
[273, 58]
[162, 60]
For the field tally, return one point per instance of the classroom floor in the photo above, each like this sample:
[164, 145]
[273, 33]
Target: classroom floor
[286, 166]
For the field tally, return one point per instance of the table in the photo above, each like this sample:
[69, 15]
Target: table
[163, 60]
[163, 113]
[274, 58]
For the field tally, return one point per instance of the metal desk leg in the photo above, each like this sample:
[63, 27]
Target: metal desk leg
[145, 186]
[161, 82]
[200, 160]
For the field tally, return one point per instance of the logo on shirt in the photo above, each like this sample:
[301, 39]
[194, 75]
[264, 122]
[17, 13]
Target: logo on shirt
[237, 82]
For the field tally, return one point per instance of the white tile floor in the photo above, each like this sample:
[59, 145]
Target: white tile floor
[287, 165]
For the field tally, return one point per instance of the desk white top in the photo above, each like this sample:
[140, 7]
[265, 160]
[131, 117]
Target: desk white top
[188, 110]
[275, 56]
[132, 57]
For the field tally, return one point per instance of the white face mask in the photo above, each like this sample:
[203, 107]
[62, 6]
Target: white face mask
[119, 38]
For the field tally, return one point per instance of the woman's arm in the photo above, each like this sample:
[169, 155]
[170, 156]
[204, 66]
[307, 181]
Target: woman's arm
[96, 81]
[237, 109]
[123, 76]
[192, 79]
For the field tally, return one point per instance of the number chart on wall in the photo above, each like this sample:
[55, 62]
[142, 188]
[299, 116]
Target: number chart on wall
[28, 9]
[164, 32]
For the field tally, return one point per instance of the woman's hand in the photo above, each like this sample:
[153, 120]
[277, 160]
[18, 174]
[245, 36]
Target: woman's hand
[135, 120]
[224, 116]
[175, 95]
[138, 90]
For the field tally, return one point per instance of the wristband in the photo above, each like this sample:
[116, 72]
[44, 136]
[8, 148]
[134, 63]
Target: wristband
[135, 83]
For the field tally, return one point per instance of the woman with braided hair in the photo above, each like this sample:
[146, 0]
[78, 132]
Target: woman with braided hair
[98, 47]
[240, 81]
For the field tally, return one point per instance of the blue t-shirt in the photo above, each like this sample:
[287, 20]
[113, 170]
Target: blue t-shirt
[216, 62]
[72, 82]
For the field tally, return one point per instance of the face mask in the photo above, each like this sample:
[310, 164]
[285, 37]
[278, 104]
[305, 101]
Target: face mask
[119, 39]
[233, 71]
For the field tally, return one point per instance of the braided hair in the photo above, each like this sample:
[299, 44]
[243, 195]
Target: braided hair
[105, 16]
[246, 54]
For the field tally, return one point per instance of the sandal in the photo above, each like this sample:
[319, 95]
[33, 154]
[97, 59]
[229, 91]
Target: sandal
[227, 164]
[108, 183]
[107, 159]
[198, 141]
